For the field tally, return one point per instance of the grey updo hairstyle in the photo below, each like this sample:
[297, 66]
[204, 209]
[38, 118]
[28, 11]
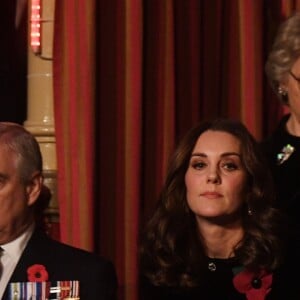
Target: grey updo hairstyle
[284, 53]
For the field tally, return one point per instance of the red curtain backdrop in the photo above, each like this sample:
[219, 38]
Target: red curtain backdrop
[130, 78]
[74, 111]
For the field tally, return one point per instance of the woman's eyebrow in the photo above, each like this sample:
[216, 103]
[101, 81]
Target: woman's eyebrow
[222, 155]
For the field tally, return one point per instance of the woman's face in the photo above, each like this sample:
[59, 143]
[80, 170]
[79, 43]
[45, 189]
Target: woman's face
[216, 178]
[292, 86]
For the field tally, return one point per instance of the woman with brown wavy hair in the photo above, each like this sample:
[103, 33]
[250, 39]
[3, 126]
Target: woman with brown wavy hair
[214, 233]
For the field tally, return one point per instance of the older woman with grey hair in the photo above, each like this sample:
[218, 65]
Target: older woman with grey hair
[283, 65]
[283, 146]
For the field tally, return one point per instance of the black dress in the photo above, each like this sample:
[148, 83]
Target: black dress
[283, 155]
[218, 285]
[286, 172]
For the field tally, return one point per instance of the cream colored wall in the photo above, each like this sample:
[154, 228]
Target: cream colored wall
[40, 112]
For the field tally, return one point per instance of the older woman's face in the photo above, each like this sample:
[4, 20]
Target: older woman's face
[216, 178]
[292, 86]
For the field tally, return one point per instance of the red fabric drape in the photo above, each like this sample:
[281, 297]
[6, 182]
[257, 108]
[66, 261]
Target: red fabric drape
[130, 77]
[250, 12]
[74, 101]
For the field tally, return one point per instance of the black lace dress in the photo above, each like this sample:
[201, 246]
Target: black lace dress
[217, 284]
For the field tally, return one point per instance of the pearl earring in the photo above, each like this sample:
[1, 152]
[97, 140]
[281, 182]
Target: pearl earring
[282, 91]
[250, 213]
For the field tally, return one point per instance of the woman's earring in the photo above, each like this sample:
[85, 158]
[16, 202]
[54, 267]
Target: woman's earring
[282, 91]
[250, 213]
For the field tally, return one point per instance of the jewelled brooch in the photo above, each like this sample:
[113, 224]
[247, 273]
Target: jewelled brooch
[285, 153]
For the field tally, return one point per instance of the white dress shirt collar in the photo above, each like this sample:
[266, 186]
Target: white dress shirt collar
[12, 252]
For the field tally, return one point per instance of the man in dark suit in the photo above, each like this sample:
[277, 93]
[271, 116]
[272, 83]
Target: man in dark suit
[32, 263]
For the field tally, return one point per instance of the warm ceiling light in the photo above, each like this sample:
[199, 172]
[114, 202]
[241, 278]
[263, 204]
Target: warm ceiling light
[35, 30]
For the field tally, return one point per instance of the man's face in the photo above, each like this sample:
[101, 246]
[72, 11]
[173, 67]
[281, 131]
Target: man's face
[14, 198]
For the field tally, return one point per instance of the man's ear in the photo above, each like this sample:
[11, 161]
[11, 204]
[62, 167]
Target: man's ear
[33, 188]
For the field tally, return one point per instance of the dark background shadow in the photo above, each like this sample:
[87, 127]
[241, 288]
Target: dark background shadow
[13, 67]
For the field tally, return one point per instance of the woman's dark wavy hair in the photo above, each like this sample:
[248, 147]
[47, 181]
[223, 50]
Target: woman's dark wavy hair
[171, 252]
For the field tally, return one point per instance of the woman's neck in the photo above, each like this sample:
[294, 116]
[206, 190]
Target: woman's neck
[220, 241]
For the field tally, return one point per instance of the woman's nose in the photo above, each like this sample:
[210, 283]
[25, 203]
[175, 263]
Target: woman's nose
[213, 177]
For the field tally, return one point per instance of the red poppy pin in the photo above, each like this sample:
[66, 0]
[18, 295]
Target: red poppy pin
[255, 285]
[37, 273]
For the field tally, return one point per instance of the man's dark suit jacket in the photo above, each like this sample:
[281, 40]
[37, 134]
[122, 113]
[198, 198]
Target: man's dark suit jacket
[97, 276]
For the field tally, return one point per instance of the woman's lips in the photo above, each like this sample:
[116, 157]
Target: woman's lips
[211, 195]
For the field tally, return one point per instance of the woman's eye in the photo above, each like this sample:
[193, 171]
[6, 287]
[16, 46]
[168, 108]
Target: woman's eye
[198, 165]
[230, 166]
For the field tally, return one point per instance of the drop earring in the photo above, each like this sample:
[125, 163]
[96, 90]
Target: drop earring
[250, 213]
[282, 91]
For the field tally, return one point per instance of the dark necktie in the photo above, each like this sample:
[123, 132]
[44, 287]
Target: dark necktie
[1, 253]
